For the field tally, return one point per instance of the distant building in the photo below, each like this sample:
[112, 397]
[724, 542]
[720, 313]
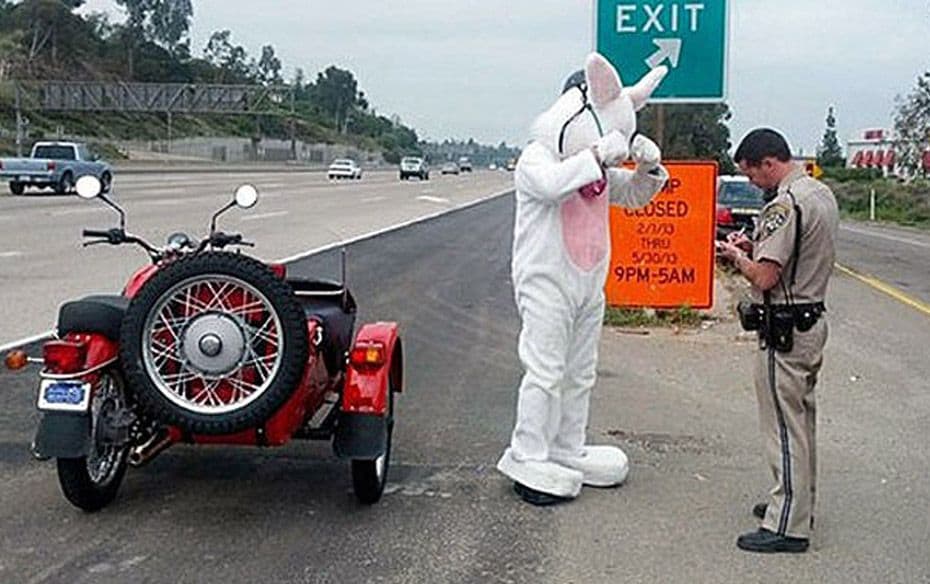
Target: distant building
[874, 149]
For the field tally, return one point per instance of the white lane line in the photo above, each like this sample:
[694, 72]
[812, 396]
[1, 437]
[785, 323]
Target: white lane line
[373, 199]
[265, 215]
[26, 341]
[397, 227]
[885, 236]
[430, 199]
[10, 254]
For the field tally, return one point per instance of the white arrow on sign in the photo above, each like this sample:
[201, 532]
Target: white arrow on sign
[668, 49]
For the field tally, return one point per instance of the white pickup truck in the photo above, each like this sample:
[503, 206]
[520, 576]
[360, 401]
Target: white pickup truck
[54, 165]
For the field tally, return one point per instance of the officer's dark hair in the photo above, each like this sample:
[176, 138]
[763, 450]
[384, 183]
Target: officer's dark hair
[762, 143]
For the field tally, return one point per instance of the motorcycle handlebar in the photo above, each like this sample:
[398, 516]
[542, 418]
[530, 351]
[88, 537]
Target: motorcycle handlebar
[95, 233]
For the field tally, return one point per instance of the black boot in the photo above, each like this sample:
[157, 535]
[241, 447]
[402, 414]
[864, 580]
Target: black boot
[538, 498]
[769, 542]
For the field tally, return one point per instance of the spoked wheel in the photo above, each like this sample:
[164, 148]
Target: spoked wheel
[370, 476]
[91, 482]
[214, 344]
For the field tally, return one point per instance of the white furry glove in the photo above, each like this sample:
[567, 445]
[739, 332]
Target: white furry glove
[645, 153]
[611, 148]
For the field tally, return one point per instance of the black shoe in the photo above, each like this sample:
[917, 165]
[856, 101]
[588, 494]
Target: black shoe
[768, 542]
[538, 498]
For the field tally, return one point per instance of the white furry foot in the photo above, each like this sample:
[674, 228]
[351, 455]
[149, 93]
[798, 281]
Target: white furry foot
[602, 466]
[544, 476]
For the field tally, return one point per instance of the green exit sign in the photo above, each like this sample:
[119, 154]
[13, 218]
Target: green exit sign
[687, 36]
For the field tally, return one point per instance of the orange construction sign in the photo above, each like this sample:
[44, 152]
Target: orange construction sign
[662, 255]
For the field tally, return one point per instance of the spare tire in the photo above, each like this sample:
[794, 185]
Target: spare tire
[214, 343]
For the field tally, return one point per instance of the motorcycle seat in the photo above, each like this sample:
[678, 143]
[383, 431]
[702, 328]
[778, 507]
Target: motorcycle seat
[332, 305]
[100, 313]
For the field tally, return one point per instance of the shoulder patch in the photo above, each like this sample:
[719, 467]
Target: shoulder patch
[773, 218]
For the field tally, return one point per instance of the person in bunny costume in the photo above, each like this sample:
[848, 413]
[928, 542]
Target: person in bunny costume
[565, 180]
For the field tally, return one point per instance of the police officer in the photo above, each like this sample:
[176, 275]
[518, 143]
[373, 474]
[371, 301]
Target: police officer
[788, 262]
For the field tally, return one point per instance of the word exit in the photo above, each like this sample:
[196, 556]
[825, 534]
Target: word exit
[660, 18]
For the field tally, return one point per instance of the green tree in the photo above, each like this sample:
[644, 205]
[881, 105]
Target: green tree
[691, 131]
[829, 154]
[11, 53]
[336, 94]
[912, 125]
[269, 67]
[230, 61]
[165, 22]
[169, 23]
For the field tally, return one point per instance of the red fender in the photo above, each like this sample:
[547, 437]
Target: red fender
[375, 365]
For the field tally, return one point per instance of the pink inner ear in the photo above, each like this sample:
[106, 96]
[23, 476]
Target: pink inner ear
[603, 81]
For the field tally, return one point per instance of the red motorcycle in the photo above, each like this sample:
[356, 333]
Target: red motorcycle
[208, 346]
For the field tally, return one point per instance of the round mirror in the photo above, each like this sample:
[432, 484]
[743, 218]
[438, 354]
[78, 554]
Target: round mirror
[88, 187]
[246, 196]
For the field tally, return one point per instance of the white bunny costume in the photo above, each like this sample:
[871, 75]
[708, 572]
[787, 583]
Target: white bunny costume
[561, 252]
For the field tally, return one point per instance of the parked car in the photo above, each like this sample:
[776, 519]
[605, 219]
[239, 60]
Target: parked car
[511, 164]
[414, 166]
[738, 205]
[56, 166]
[450, 168]
[465, 164]
[344, 168]
[492, 166]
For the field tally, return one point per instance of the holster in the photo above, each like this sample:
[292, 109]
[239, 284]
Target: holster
[775, 323]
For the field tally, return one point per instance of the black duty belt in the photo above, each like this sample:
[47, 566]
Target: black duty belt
[777, 322]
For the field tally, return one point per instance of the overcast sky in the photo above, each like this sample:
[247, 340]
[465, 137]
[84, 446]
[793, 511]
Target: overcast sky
[485, 68]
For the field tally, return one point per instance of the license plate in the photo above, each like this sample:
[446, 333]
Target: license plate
[64, 395]
[25, 178]
[745, 211]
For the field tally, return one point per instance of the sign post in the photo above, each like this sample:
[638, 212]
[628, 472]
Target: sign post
[663, 254]
[688, 36]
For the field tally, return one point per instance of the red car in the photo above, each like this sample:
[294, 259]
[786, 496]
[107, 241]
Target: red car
[739, 203]
[208, 346]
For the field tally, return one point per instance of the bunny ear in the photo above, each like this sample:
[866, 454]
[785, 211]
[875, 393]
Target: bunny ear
[604, 83]
[640, 92]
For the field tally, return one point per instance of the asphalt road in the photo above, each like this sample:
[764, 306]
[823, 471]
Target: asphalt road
[42, 263]
[897, 256]
[680, 404]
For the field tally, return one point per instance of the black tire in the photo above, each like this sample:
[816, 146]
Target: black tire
[65, 185]
[281, 385]
[106, 182]
[84, 491]
[367, 483]
[17, 188]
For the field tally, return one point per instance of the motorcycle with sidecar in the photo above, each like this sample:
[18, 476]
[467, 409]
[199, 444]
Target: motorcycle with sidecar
[210, 346]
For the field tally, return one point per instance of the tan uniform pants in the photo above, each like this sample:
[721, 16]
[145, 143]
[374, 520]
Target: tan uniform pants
[787, 416]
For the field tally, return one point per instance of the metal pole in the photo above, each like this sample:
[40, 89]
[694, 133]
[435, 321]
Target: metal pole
[19, 125]
[872, 205]
[169, 132]
[660, 126]
[293, 127]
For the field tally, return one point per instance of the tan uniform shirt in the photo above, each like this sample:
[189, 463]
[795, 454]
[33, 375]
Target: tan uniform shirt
[775, 235]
